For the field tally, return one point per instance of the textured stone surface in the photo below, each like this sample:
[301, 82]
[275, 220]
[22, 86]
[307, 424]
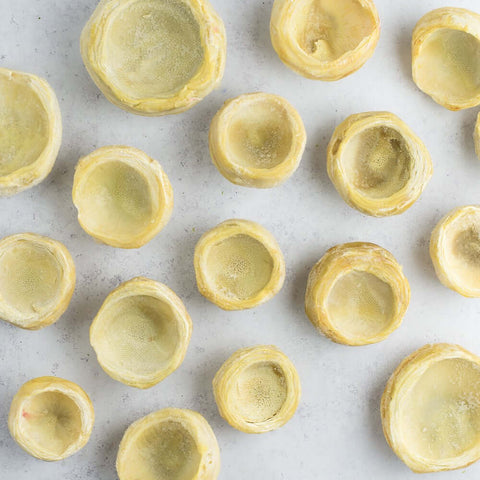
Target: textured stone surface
[336, 433]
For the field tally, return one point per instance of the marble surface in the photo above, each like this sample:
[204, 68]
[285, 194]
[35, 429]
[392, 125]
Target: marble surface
[336, 433]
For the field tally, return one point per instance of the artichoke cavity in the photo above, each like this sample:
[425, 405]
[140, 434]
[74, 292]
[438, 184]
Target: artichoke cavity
[155, 47]
[165, 450]
[261, 392]
[378, 161]
[442, 419]
[450, 62]
[23, 126]
[361, 303]
[52, 418]
[331, 28]
[260, 135]
[30, 278]
[240, 266]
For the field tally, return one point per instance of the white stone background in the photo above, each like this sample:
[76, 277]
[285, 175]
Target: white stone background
[336, 432]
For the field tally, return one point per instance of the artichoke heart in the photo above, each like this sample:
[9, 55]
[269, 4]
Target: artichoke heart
[257, 389]
[357, 294]
[123, 197]
[431, 409]
[377, 164]
[455, 250]
[154, 57]
[172, 443]
[238, 265]
[37, 280]
[324, 39]
[257, 140]
[30, 131]
[141, 333]
[446, 57]
[51, 418]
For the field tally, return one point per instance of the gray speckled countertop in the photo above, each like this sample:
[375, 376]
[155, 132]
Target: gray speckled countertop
[336, 433]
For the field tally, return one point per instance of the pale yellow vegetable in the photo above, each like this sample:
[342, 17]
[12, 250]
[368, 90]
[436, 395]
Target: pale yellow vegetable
[431, 409]
[123, 197]
[257, 140]
[357, 294]
[257, 389]
[455, 250]
[324, 39]
[377, 164]
[141, 333]
[154, 57]
[51, 418]
[238, 265]
[37, 280]
[476, 136]
[173, 444]
[30, 131]
[446, 57]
